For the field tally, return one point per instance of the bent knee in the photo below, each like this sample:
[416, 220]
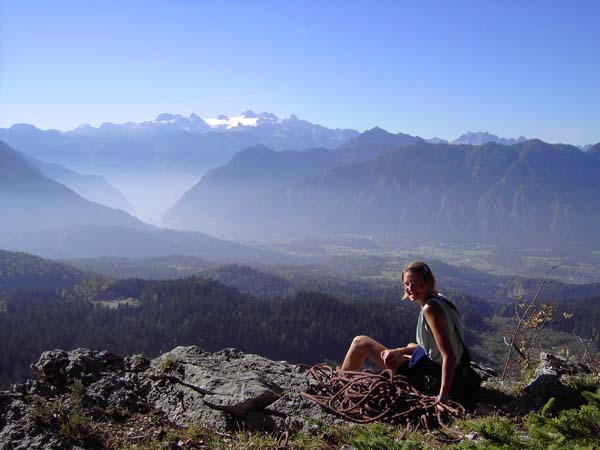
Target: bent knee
[361, 341]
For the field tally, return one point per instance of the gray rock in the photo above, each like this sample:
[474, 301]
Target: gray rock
[547, 384]
[240, 395]
[35, 387]
[136, 363]
[58, 367]
[556, 365]
[544, 385]
[485, 373]
[115, 390]
[261, 421]
[18, 432]
[547, 381]
[471, 436]
[228, 389]
[51, 366]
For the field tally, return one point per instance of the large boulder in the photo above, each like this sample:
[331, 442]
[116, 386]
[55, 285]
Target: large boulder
[549, 382]
[559, 366]
[59, 367]
[229, 388]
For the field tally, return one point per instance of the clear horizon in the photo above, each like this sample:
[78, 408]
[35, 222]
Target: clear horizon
[427, 69]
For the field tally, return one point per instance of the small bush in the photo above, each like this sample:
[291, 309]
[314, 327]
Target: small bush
[499, 433]
[166, 365]
[71, 423]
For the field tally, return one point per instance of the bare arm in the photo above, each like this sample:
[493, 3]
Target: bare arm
[393, 358]
[436, 320]
[408, 349]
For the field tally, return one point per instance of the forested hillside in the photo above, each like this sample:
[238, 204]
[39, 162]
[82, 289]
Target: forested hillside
[308, 328]
[130, 316]
[24, 271]
[302, 314]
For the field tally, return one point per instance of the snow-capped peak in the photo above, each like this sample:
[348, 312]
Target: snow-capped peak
[246, 119]
[250, 114]
[167, 117]
[168, 123]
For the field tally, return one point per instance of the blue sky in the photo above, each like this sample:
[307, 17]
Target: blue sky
[426, 68]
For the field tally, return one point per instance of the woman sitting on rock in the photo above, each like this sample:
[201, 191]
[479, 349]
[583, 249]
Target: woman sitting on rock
[440, 341]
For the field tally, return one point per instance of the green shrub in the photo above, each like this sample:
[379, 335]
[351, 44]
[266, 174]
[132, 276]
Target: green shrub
[71, 423]
[166, 365]
[499, 433]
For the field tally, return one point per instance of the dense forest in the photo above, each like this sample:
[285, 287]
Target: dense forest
[301, 314]
[24, 271]
[308, 328]
[150, 317]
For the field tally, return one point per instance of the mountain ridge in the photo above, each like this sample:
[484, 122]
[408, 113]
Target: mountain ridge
[91, 187]
[33, 200]
[488, 192]
[247, 120]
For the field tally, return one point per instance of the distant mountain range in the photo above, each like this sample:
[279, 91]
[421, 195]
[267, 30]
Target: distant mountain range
[271, 130]
[331, 180]
[176, 143]
[372, 143]
[477, 138]
[279, 133]
[526, 193]
[120, 150]
[482, 137]
[170, 143]
[44, 217]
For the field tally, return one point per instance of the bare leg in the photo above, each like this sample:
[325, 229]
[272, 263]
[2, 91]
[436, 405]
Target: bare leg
[363, 347]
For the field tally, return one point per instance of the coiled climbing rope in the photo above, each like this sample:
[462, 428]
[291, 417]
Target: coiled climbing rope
[365, 397]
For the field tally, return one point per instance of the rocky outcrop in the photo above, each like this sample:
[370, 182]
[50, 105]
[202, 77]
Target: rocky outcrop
[551, 381]
[83, 396]
[226, 390]
[229, 388]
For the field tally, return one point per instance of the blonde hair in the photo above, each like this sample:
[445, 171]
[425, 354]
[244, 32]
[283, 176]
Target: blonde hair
[421, 269]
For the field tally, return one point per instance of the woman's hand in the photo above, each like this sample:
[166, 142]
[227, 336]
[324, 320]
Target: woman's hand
[393, 358]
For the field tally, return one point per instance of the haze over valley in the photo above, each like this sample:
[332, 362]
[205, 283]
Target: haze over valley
[258, 180]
